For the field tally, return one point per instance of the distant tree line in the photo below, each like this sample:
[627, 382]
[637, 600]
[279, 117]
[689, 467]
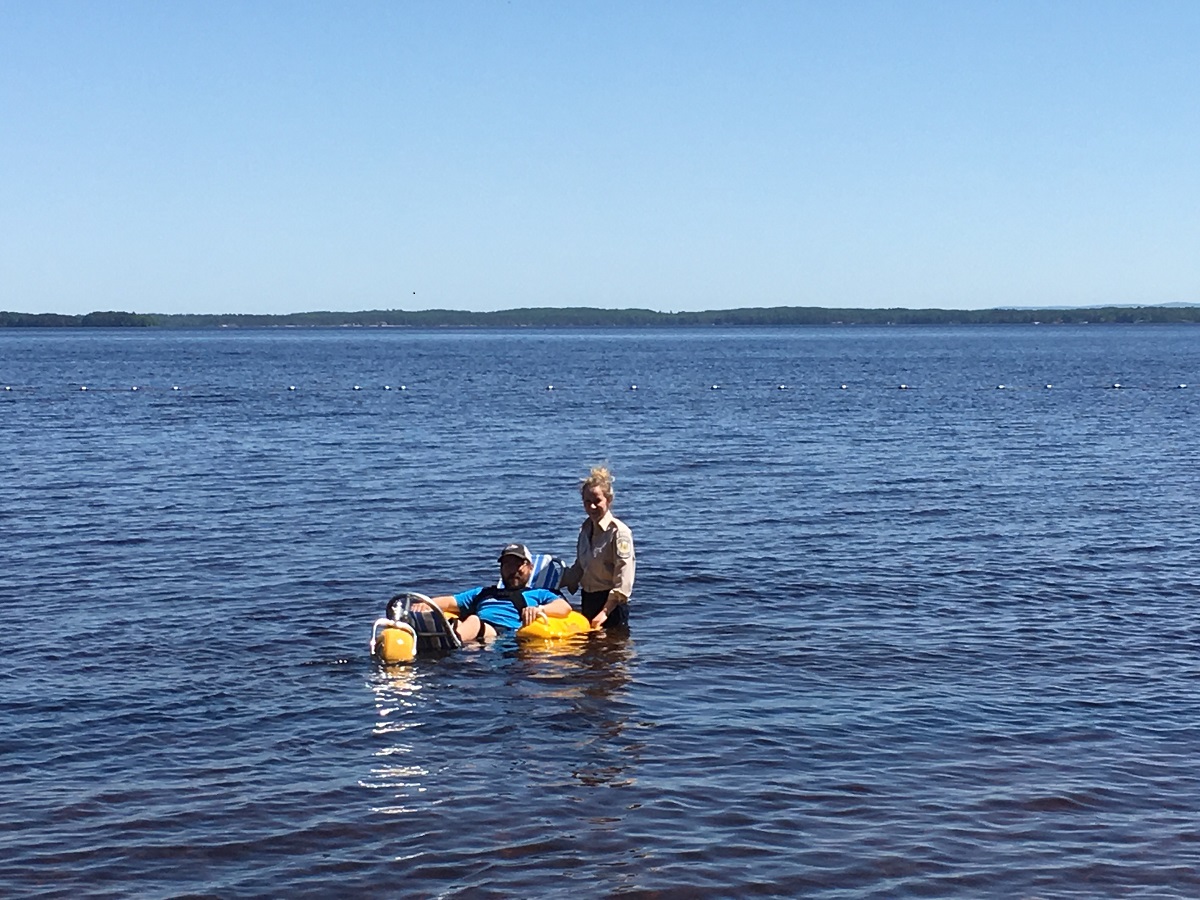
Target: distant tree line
[91, 320]
[585, 317]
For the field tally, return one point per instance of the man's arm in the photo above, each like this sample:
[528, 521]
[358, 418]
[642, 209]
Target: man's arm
[445, 604]
[558, 608]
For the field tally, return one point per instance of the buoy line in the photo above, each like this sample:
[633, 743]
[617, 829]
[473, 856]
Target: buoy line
[776, 386]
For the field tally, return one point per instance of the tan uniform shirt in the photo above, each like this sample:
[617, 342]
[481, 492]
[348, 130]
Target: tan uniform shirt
[604, 559]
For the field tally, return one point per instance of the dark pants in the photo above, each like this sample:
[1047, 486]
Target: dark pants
[591, 602]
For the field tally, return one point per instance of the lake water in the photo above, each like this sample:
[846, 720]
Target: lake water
[885, 642]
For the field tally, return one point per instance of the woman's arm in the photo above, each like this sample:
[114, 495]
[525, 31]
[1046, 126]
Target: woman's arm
[624, 566]
[573, 573]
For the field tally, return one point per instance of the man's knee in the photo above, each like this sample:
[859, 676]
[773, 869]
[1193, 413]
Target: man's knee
[468, 628]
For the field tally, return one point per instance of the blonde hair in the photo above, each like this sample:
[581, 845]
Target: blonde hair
[599, 477]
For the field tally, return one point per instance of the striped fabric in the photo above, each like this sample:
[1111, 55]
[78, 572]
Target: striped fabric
[434, 633]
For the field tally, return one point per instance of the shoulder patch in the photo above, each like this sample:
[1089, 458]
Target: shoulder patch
[624, 547]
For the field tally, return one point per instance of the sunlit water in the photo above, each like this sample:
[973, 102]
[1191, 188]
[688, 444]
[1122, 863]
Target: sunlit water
[940, 640]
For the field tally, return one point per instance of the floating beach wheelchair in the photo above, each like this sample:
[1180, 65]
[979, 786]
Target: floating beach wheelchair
[404, 633]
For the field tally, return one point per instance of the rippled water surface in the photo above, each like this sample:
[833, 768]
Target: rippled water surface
[886, 642]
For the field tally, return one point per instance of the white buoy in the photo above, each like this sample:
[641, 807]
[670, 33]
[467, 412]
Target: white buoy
[291, 387]
[404, 387]
[83, 387]
[999, 387]
[1049, 386]
[844, 387]
[357, 388]
[1117, 386]
[8, 387]
[782, 387]
[134, 388]
[174, 387]
[904, 387]
[387, 387]
[1182, 386]
[633, 387]
[549, 387]
[716, 387]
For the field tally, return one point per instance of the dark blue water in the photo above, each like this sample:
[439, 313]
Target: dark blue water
[886, 642]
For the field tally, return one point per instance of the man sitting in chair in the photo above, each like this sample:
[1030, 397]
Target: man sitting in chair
[485, 612]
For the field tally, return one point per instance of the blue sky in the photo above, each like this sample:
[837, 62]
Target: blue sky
[281, 157]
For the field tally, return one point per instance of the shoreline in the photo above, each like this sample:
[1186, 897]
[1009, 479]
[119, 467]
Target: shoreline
[589, 317]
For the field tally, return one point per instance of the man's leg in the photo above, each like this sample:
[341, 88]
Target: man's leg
[468, 628]
[472, 628]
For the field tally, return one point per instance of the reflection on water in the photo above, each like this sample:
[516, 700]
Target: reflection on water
[396, 770]
[591, 678]
[433, 720]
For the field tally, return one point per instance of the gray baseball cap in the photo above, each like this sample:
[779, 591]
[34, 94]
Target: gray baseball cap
[518, 550]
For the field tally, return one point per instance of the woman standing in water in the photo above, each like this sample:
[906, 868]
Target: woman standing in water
[604, 560]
